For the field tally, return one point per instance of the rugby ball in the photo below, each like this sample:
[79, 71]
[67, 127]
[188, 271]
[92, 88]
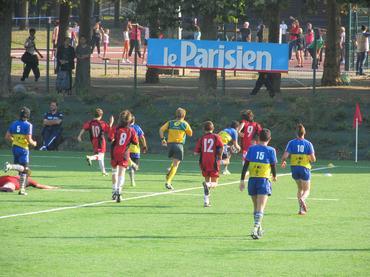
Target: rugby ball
[234, 149]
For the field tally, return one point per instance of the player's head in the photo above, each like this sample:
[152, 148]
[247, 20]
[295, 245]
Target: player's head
[301, 131]
[133, 119]
[53, 106]
[363, 28]
[265, 135]
[180, 113]
[234, 124]
[24, 113]
[247, 115]
[208, 126]
[98, 113]
[125, 118]
[32, 32]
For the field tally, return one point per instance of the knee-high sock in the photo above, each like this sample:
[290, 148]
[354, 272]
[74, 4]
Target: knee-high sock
[101, 162]
[171, 174]
[17, 167]
[23, 181]
[114, 175]
[207, 192]
[131, 173]
[120, 182]
[258, 218]
[94, 157]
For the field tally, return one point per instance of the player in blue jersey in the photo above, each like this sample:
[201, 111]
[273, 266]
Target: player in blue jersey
[261, 162]
[20, 135]
[135, 150]
[229, 137]
[301, 154]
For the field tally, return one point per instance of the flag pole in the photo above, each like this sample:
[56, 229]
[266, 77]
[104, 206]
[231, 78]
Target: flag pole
[356, 151]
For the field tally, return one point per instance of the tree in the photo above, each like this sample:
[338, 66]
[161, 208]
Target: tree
[82, 83]
[117, 7]
[24, 6]
[6, 11]
[64, 14]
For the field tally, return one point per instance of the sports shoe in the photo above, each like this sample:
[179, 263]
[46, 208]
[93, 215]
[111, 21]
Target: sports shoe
[114, 196]
[118, 198]
[134, 166]
[303, 205]
[7, 167]
[22, 192]
[226, 172]
[43, 148]
[255, 233]
[168, 186]
[88, 160]
[207, 205]
[105, 174]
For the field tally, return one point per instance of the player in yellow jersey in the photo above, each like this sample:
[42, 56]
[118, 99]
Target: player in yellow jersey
[301, 154]
[176, 131]
[229, 137]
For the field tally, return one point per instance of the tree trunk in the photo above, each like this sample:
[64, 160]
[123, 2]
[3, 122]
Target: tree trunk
[64, 13]
[152, 74]
[23, 23]
[331, 75]
[83, 80]
[274, 22]
[117, 6]
[6, 7]
[208, 78]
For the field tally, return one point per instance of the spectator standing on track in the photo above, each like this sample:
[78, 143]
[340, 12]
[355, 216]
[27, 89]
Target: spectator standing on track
[105, 42]
[362, 44]
[126, 42]
[300, 47]
[146, 37]
[135, 39]
[342, 44]
[293, 34]
[309, 37]
[83, 52]
[66, 60]
[246, 32]
[30, 58]
[96, 37]
[54, 38]
[283, 31]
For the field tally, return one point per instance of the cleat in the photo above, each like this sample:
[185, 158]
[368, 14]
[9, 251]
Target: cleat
[105, 174]
[88, 160]
[134, 166]
[226, 172]
[254, 233]
[114, 196]
[301, 212]
[207, 205]
[118, 198]
[303, 205]
[169, 186]
[260, 232]
[7, 167]
[22, 192]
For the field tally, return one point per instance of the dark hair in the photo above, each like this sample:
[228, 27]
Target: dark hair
[265, 135]
[54, 101]
[98, 112]
[363, 28]
[208, 126]
[234, 124]
[247, 115]
[32, 30]
[301, 131]
[24, 113]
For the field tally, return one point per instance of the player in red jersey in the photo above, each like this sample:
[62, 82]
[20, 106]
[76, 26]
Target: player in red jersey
[12, 183]
[97, 128]
[121, 136]
[209, 147]
[248, 130]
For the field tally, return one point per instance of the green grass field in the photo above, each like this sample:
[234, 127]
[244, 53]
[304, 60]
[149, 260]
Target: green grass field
[156, 233]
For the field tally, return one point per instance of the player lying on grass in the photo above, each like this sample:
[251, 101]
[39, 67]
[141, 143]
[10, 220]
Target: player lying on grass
[301, 154]
[229, 138]
[97, 129]
[209, 148]
[12, 183]
[176, 130]
[121, 136]
[20, 135]
[135, 150]
[248, 130]
[261, 162]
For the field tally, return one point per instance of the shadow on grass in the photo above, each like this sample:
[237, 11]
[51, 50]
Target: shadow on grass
[308, 250]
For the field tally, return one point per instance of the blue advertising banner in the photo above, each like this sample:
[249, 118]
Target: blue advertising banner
[211, 54]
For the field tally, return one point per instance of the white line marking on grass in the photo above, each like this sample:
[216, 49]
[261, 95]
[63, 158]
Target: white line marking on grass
[316, 199]
[46, 166]
[131, 198]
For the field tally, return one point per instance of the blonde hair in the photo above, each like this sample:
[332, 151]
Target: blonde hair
[180, 113]
[98, 112]
[301, 131]
[125, 118]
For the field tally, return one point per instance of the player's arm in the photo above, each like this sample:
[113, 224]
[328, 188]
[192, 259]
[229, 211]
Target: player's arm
[30, 140]
[8, 136]
[34, 184]
[273, 171]
[284, 158]
[240, 130]
[198, 147]
[111, 121]
[188, 130]
[48, 122]
[163, 129]
[312, 157]
[235, 140]
[242, 177]
[79, 137]
[143, 143]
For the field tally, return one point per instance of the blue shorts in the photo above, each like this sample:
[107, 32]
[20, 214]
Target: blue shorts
[259, 186]
[301, 173]
[21, 155]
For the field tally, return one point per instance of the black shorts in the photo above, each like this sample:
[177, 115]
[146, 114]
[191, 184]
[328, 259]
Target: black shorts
[135, 160]
[176, 151]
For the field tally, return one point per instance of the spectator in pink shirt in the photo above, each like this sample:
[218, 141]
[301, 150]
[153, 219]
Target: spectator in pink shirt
[308, 38]
[135, 39]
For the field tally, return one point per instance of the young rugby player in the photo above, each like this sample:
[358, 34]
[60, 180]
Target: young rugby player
[97, 129]
[261, 161]
[248, 130]
[229, 137]
[177, 130]
[301, 154]
[121, 136]
[135, 150]
[20, 135]
[209, 147]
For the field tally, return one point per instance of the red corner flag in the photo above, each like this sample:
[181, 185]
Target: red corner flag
[357, 116]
